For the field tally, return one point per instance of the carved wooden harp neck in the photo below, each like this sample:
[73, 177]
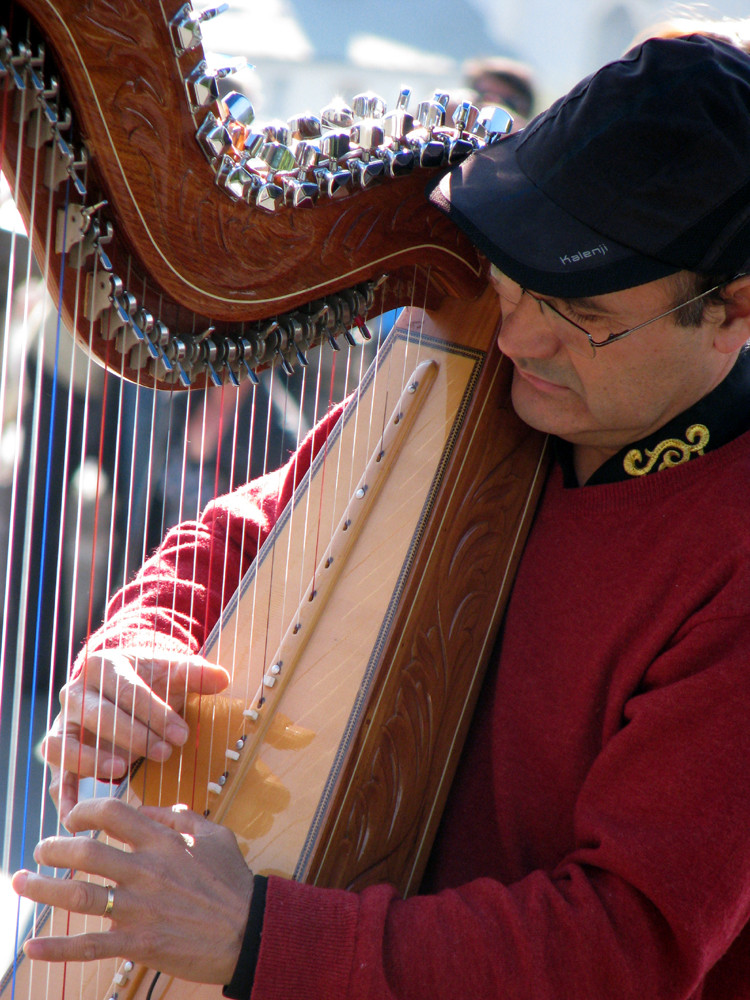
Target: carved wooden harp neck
[183, 219]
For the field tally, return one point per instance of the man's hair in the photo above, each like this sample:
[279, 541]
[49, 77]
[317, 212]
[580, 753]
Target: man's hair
[686, 285]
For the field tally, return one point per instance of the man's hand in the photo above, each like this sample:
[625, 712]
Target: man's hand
[181, 894]
[120, 707]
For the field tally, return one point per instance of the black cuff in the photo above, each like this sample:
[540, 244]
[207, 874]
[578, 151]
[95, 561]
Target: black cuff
[242, 981]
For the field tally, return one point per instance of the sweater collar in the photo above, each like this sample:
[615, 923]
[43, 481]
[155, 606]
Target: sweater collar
[711, 422]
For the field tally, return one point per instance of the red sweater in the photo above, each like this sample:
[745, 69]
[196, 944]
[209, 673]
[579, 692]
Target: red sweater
[597, 841]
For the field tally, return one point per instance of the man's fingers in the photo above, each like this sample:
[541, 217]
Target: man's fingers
[178, 818]
[149, 689]
[171, 675]
[117, 819]
[75, 895]
[139, 723]
[76, 947]
[137, 690]
[199, 676]
[88, 855]
[67, 753]
[63, 790]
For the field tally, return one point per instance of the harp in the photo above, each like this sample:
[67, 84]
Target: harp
[186, 248]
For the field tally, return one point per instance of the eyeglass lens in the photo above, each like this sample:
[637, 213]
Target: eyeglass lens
[559, 325]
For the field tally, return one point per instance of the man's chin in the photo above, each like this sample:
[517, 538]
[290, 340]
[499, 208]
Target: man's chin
[547, 411]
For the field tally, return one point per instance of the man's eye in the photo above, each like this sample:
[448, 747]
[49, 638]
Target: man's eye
[581, 317]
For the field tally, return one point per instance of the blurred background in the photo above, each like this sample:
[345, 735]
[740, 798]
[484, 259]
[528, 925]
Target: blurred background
[307, 51]
[304, 54]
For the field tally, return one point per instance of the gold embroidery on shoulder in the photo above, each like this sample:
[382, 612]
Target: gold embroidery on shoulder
[671, 452]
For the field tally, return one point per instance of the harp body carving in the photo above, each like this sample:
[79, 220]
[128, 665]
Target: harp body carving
[343, 784]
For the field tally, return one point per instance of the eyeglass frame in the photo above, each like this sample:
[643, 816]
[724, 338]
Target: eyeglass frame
[613, 337]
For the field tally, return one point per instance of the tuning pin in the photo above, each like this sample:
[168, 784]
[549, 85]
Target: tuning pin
[493, 123]
[299, 194]
[269, 197]
[277, 156]
[368, 105]
[304, 127]
[397, 161]
[397, 125]
[213, 137]
[277, 131]
[465, 116]
[185, 26]
[366, 172]
[334, 183]
[459, 149]
[253, 143]
[368, 134]
[441, 98]
[431, 115]
[430, 154]
[335, 145]
[306, 154]
[402, 102]
[337, 116]
[235, 178]
[238, 108]
[203, 84]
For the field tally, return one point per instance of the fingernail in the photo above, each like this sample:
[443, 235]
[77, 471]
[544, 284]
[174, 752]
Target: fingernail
[176, 733]
[115, 767]
[159, 751]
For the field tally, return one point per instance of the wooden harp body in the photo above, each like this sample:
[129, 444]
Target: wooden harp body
[348, 708]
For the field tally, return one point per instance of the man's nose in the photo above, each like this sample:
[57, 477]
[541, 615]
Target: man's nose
[524, 331]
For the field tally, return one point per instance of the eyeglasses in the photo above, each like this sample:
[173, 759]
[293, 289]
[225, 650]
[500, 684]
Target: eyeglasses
[512, 293]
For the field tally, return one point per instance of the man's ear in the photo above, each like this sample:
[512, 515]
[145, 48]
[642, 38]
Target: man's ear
[734, 330]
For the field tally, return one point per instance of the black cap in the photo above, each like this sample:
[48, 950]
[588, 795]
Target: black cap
[642, 170]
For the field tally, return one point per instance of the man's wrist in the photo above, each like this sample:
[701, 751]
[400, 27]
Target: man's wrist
[241, 984]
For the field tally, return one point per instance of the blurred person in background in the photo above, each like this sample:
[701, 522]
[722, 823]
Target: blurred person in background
[503, 81]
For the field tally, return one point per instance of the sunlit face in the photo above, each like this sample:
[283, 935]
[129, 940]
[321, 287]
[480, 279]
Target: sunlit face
[627, 389]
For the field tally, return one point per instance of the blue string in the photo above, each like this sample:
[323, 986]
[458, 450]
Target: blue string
[40, 591]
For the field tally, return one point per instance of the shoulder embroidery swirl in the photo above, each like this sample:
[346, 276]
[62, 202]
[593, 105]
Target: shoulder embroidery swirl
[672, 451]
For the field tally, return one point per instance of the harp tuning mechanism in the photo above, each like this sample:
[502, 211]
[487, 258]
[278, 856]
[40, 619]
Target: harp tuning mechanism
[294, 165]
[203, 83]
[185, 26]
[493, 123]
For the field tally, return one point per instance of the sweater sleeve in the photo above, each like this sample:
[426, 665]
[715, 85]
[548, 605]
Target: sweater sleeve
[653, 892]
[175, 599]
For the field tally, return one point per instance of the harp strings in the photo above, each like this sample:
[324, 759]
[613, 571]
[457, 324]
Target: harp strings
[20, 558]
[154, 433]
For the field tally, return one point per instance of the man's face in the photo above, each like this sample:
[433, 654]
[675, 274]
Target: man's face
[627, 389]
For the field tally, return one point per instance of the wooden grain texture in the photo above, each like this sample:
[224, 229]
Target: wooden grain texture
[382, 821]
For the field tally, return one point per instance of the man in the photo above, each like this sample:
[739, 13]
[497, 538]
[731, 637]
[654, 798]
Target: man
[596, 840]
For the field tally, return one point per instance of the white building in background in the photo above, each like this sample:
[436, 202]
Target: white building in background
[305, 52]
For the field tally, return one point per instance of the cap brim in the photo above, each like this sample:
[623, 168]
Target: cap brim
[529, 237]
